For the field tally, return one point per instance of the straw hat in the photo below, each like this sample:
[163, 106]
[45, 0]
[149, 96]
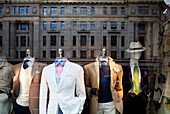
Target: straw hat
[135, 47]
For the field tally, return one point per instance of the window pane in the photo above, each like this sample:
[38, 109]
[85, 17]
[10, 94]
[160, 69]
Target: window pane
[113, 11]
[83, 40]
[83, 11]
[122, 41]
[1, 25]
[44, 54]
[53, 11]
[0, 41]
[114, 54]
[105, 11]
[44, 11]
[74, 54]
[0, 11]
[22, 54]
[23, 26]
[104, 25]
[44, 40]
[74, 10]
[122, 11]
[113, 25]
[92, 54]
[122, 54]
[83, 54]
[62, 40]
[28, 41]
[74, 40]
[113, 40]
[143, 10]
[53, 25]
[62, 11]
[17, 41]
[92, 25]
[104, 41]
[83, 25]
[53, 40]
[141, 26]
[92, 40]
[21, 10]
[23, 40]
[28, 9]
[123, 25]
[92, 11]
[52, 54]
[74, 25]
[15, 10]
[62, 25]
[44, 25]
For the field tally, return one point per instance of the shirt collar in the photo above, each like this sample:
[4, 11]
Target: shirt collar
[132, 62]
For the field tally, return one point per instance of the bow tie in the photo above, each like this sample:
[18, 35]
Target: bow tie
[61, 62]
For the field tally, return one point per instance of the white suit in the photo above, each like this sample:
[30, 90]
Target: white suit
[72, 78]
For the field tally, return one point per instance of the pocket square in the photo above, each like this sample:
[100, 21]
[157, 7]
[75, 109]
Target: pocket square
[37, 72]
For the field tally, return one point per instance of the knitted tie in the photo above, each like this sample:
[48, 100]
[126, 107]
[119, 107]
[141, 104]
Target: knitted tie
[136, 89]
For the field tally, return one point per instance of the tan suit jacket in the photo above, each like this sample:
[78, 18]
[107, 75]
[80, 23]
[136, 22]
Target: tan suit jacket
[34, 89]
[92, 81]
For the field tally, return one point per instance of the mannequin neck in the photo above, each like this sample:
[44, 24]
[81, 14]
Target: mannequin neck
[134, 60]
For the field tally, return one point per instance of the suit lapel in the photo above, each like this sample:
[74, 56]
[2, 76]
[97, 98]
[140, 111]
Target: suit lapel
[33, 70]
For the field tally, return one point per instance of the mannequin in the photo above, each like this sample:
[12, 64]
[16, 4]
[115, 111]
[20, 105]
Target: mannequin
[134, 101]
[100, 81]
[6, 76]
[26, 85]
[64, 79]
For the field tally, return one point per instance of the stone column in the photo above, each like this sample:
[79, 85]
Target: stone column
[36, 39]
[155, 30]
[136, 31]
[12, 40]
[6, 38]
[148, 41]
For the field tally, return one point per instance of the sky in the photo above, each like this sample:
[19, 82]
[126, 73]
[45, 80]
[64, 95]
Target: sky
[167, 1]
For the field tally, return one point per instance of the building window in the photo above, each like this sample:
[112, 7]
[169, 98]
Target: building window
[44, 40]
[92, 54]
[0, 11]
[21, 10]
[104, 41]
[62, 53]
[53, 25]
[122, 54]
[83, 54]
[53, 11]
[83, 40]
[143, 10]
[62, 11]
[114, 54]
[104, 11]
[74, 54]
[17, 26]
[142, 40]
[28, 26]
[92, 25]
[62, 25]
[141, 27]
[83, 25]
[15, 10]
[17, 41]
[44, 11]
[92, 40]
[122, 25]
[1, 26]
[16, 55]
[23, 40]
[113, 25]
[74, 40]
[74, 25]
[53, 40]
[113, 40]
[28, 9]
[74, 11]
[44, 25]
[28, 41]
[122, 11]
[44, 54]
[52, 54]
[83, 11]
[113, 11]
[92, 11]
[62, 40]
[0, 41]
[122, 41]
[104, 25]
[22, 54]
[23, 26]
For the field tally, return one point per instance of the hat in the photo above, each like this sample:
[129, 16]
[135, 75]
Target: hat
[135, 47]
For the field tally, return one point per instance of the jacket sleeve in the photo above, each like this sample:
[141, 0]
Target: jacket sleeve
[87, 82]
[120, 75]
[80, 90]
[43, 94]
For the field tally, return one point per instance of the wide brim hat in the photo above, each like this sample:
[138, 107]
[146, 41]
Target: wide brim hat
[135, 47]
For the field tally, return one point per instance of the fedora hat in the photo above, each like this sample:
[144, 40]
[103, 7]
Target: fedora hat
[135, 47]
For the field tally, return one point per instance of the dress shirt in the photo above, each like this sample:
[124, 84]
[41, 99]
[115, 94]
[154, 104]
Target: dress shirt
[132, 65]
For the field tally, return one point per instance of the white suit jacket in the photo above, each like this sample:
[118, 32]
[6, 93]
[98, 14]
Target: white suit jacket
[72, 79]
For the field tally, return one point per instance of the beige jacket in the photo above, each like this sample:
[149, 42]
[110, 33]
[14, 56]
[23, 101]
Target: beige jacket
[6, 76]
[92, 81]
[34, 89]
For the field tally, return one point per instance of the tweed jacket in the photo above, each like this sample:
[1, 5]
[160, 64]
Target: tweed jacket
[6, 76]
[34, 86]
[92, 81]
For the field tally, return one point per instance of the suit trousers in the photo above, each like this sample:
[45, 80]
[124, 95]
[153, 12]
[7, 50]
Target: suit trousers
[21, 109]
[106, 108]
